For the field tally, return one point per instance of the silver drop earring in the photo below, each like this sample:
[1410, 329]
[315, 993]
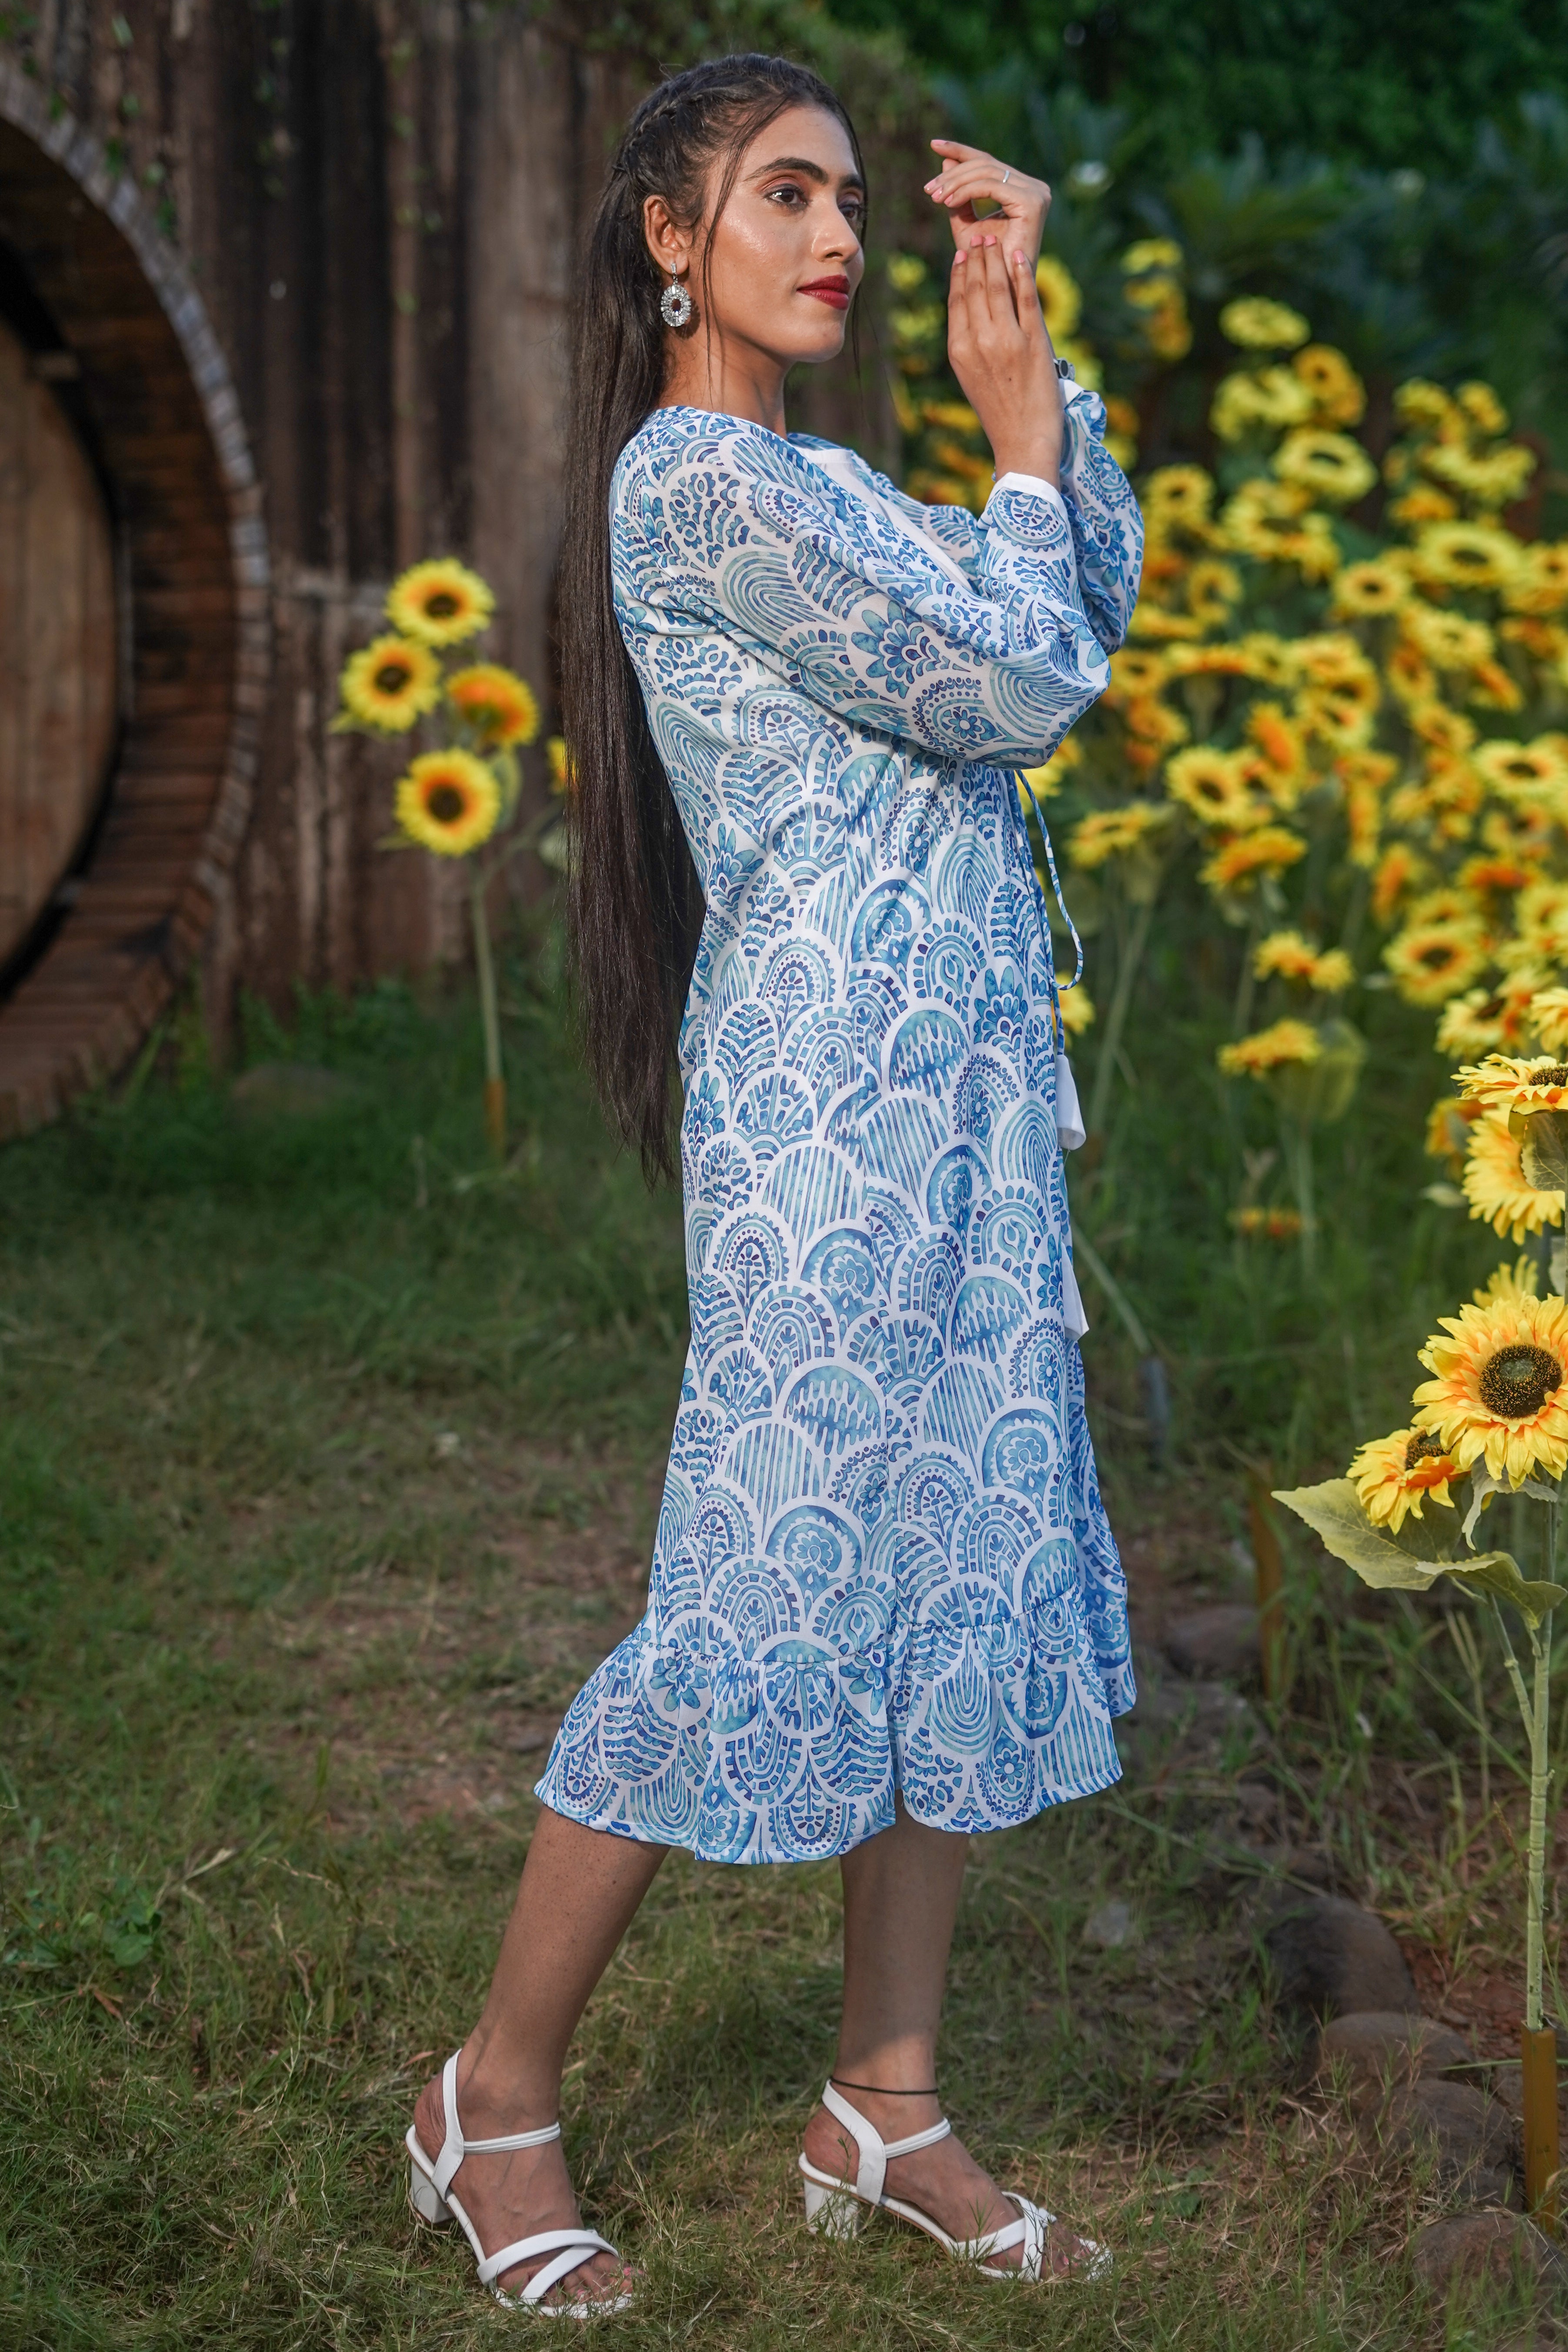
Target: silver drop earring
[675, 303]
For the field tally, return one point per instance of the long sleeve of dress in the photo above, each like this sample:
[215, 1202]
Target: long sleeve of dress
[727, 523]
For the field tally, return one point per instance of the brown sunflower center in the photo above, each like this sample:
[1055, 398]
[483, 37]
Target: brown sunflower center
[441, 606]
[1425, 1447]
[1435, 957]
[1556, 1075]
[446, 803]
[391, 678]
[1518, 1380]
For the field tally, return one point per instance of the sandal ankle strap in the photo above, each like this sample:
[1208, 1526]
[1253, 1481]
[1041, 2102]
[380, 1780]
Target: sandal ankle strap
[873, 2152]
[455, 2147]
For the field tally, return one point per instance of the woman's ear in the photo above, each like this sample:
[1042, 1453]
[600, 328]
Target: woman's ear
[668, 242]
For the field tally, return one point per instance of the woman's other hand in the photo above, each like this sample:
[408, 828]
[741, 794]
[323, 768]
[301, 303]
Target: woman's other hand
[1002, 356]
[968, 174]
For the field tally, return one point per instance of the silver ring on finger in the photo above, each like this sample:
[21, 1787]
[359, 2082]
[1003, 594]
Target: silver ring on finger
[1005, 177]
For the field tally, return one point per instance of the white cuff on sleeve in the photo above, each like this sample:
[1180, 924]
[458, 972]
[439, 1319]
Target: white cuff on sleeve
[1034, 484]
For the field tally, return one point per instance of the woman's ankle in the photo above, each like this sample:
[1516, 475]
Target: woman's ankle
[504, 2090]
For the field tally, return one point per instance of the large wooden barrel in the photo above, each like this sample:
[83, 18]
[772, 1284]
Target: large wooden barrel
[111, 313]
[58, 708]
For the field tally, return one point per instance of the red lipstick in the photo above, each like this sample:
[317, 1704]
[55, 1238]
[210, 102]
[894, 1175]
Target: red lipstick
[834, 291]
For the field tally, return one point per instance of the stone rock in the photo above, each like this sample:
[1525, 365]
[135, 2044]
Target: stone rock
[291, 1090]
[1109, 1926]
[1473, 2138]
[1335, 1958]
[1490, 2247]
[1384, 2049]
[1221, 1641]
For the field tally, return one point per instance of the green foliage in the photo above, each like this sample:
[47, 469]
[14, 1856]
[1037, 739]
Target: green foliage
[1404, 1565]
[1397, 88]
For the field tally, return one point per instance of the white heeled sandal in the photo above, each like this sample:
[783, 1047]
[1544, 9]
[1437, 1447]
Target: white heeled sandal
[838, 2208]
[430, 2194]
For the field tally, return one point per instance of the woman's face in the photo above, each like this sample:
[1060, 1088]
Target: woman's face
[785, 254]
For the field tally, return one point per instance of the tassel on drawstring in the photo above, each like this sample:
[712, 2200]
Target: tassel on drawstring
[1071, 1130]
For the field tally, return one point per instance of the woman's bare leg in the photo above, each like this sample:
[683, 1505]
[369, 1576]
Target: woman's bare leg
[900, 1901]
[579, 1893]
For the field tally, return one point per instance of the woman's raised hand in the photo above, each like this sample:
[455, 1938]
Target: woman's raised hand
[1002, 356]
[969, 176]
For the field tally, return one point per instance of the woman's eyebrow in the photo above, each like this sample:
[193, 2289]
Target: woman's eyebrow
[811, 171]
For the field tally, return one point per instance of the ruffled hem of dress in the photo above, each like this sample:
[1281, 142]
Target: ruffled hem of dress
[968, 1750]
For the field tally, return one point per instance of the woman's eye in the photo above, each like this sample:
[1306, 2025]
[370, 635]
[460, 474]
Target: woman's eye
[788, 195]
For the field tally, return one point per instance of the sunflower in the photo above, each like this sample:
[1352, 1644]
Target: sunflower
[1269, 849]
[1495, 481]
[1256, 1223]
[1364, 811]
[1281, 766]
[1151, 619]
[1447, 640]
[1443, 729]
[497, 705]
[1515, 1082]
[1487, 1019]
[1425, 406]
[1331, 464]
[1365, 591]
[1392, 1475]
[1061, 297]
[1491, 875]
[1286, 1044]
[1136, 669]
[1210, 661]
[1541, 913]
[1549, 1019]
[1525, 771]
[1116, 833]
[1152, 722]
[440, 603]
[1151, 253]
[1447, 1135]
[1256, 324]
[1541, 583]
[561, 775]
[1519, 1280]
[1493, 688]
[1290, 955]
[1214, 786]
[1398, 871]
[1212, 589]
[1410, 676]
[1269, 659]
[1422, 505]
[1482, 409]
[1432, 962]
[1339, 395]
[1272, 400]
[448, 802]
[1076, 1010]
[1466, 555]
[1179, 494]
[389, 684]
[1495, 1185]
[1497, 1394]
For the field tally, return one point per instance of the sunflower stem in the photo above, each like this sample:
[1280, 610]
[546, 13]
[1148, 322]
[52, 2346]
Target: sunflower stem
[1298, 1139]
[490, 1014]
[1246, 985]
[1540, 1772]
[1127, 964]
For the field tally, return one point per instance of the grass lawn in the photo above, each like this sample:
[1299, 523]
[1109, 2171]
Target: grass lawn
[329, 1462]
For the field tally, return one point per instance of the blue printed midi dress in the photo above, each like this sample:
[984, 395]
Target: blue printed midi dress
[882, 1563]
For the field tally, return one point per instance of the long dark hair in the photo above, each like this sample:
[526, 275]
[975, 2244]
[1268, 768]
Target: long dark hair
[634, 904]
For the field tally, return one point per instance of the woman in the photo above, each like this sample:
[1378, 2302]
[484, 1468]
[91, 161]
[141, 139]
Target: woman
[885, 1608]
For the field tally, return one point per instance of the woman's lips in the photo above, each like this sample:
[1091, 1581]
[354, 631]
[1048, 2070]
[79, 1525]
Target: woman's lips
[834, 291]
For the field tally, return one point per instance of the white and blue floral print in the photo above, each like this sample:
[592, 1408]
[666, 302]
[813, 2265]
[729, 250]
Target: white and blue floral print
[882, 1564]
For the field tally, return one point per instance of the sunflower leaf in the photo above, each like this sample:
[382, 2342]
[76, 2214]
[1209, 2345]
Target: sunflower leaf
[1334, 1513]
[1542, 1139]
